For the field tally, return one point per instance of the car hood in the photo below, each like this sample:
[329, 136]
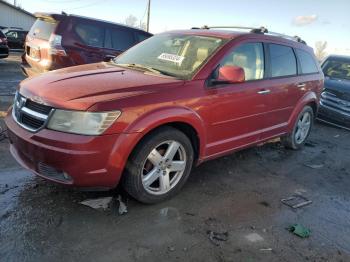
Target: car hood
[80, 87]
[339, 87]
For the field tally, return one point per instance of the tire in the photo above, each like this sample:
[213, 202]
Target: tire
[291, 141]
[149, 177]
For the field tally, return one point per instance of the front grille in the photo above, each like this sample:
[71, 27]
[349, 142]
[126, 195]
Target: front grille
[32, 122]
[29, 114]
[333, 101]
[38, 107]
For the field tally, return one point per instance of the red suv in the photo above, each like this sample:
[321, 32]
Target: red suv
[173, 101]
[60, 40]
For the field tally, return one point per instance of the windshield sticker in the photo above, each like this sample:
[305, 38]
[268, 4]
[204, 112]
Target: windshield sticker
[172, 58]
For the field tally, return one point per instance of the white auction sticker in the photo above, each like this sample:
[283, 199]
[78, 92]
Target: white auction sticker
[171, 58]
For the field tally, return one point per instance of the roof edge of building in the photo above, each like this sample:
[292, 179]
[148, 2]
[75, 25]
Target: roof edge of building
[17, 8]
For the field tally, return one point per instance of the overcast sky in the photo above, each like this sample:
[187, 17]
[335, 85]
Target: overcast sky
[313, 20]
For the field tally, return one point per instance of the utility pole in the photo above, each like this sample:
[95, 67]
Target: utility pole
[14, 2]
[148, 14]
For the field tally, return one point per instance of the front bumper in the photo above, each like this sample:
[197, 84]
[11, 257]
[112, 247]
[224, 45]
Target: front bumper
[333, 116]
[95, 162]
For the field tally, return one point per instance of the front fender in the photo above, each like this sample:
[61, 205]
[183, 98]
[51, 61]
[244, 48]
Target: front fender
[162, 116]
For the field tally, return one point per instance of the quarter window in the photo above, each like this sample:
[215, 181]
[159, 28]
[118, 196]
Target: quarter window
[283, 62]
[250, 57]
[307, 62]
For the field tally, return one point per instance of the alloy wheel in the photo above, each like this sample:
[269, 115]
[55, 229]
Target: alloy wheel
[303, 128]
[164, 167]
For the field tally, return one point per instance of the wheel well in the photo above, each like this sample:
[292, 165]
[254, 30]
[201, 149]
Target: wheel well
[185, 128]
[314, 108]
[190, 132]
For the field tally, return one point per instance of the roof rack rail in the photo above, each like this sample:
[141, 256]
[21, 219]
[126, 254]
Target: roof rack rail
[255, 30]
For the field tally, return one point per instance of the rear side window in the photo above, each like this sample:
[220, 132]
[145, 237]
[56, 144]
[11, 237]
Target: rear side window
[250, 57]
[122, 39]
[282, 59]
[307, 62]
[91, 35]
[140, 36]
[42, 29]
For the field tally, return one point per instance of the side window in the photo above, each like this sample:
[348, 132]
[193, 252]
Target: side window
[91, 35]
[140, 37]
[108, 39]
[250, 57]
[283, 62]
[122, 39]
[307, 62]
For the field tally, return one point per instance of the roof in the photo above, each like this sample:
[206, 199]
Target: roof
[63, 15]
[226, 34]
[231, 34]
[17, 8]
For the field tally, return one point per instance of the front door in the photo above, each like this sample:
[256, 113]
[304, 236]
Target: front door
[236, 111]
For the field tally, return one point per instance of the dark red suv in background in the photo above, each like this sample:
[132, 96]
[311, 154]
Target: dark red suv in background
[60, 40]
[175, 100]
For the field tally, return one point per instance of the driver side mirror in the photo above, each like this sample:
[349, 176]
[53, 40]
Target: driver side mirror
[230, 75]
[108, 58]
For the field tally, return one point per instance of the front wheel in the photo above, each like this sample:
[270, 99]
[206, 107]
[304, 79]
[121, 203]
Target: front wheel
[159, 166]
[301, 130]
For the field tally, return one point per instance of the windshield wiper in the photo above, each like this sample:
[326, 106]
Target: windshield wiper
[147, 68]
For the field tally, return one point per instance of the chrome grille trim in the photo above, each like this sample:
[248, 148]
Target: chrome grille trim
[19, 110]
[332, 101]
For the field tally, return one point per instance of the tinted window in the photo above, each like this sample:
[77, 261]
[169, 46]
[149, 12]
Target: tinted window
[122, 39]
[91, 35]
[250, 57]
[140, 36]
[307, 62]
[108, 39]
[42, 29]
[2, 35]
[283, 62]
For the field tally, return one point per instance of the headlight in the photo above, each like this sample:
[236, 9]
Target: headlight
[84, 123]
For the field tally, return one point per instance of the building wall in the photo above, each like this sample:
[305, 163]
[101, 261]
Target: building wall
[11, 17]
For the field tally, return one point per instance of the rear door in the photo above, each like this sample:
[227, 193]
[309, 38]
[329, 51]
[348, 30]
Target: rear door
[90, 42]
[283, 92]
[309, 73]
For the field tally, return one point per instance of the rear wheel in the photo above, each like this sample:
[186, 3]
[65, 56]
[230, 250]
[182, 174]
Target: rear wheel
[301, 130]
[159, 166]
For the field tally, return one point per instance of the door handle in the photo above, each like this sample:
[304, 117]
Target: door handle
[264, 92]
[302, 85]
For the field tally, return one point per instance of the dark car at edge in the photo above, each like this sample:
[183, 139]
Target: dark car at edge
[335, 98]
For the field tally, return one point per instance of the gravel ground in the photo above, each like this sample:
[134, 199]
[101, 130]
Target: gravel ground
[238, 195]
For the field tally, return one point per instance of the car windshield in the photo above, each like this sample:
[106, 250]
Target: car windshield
[176, 55]
[337, 69]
